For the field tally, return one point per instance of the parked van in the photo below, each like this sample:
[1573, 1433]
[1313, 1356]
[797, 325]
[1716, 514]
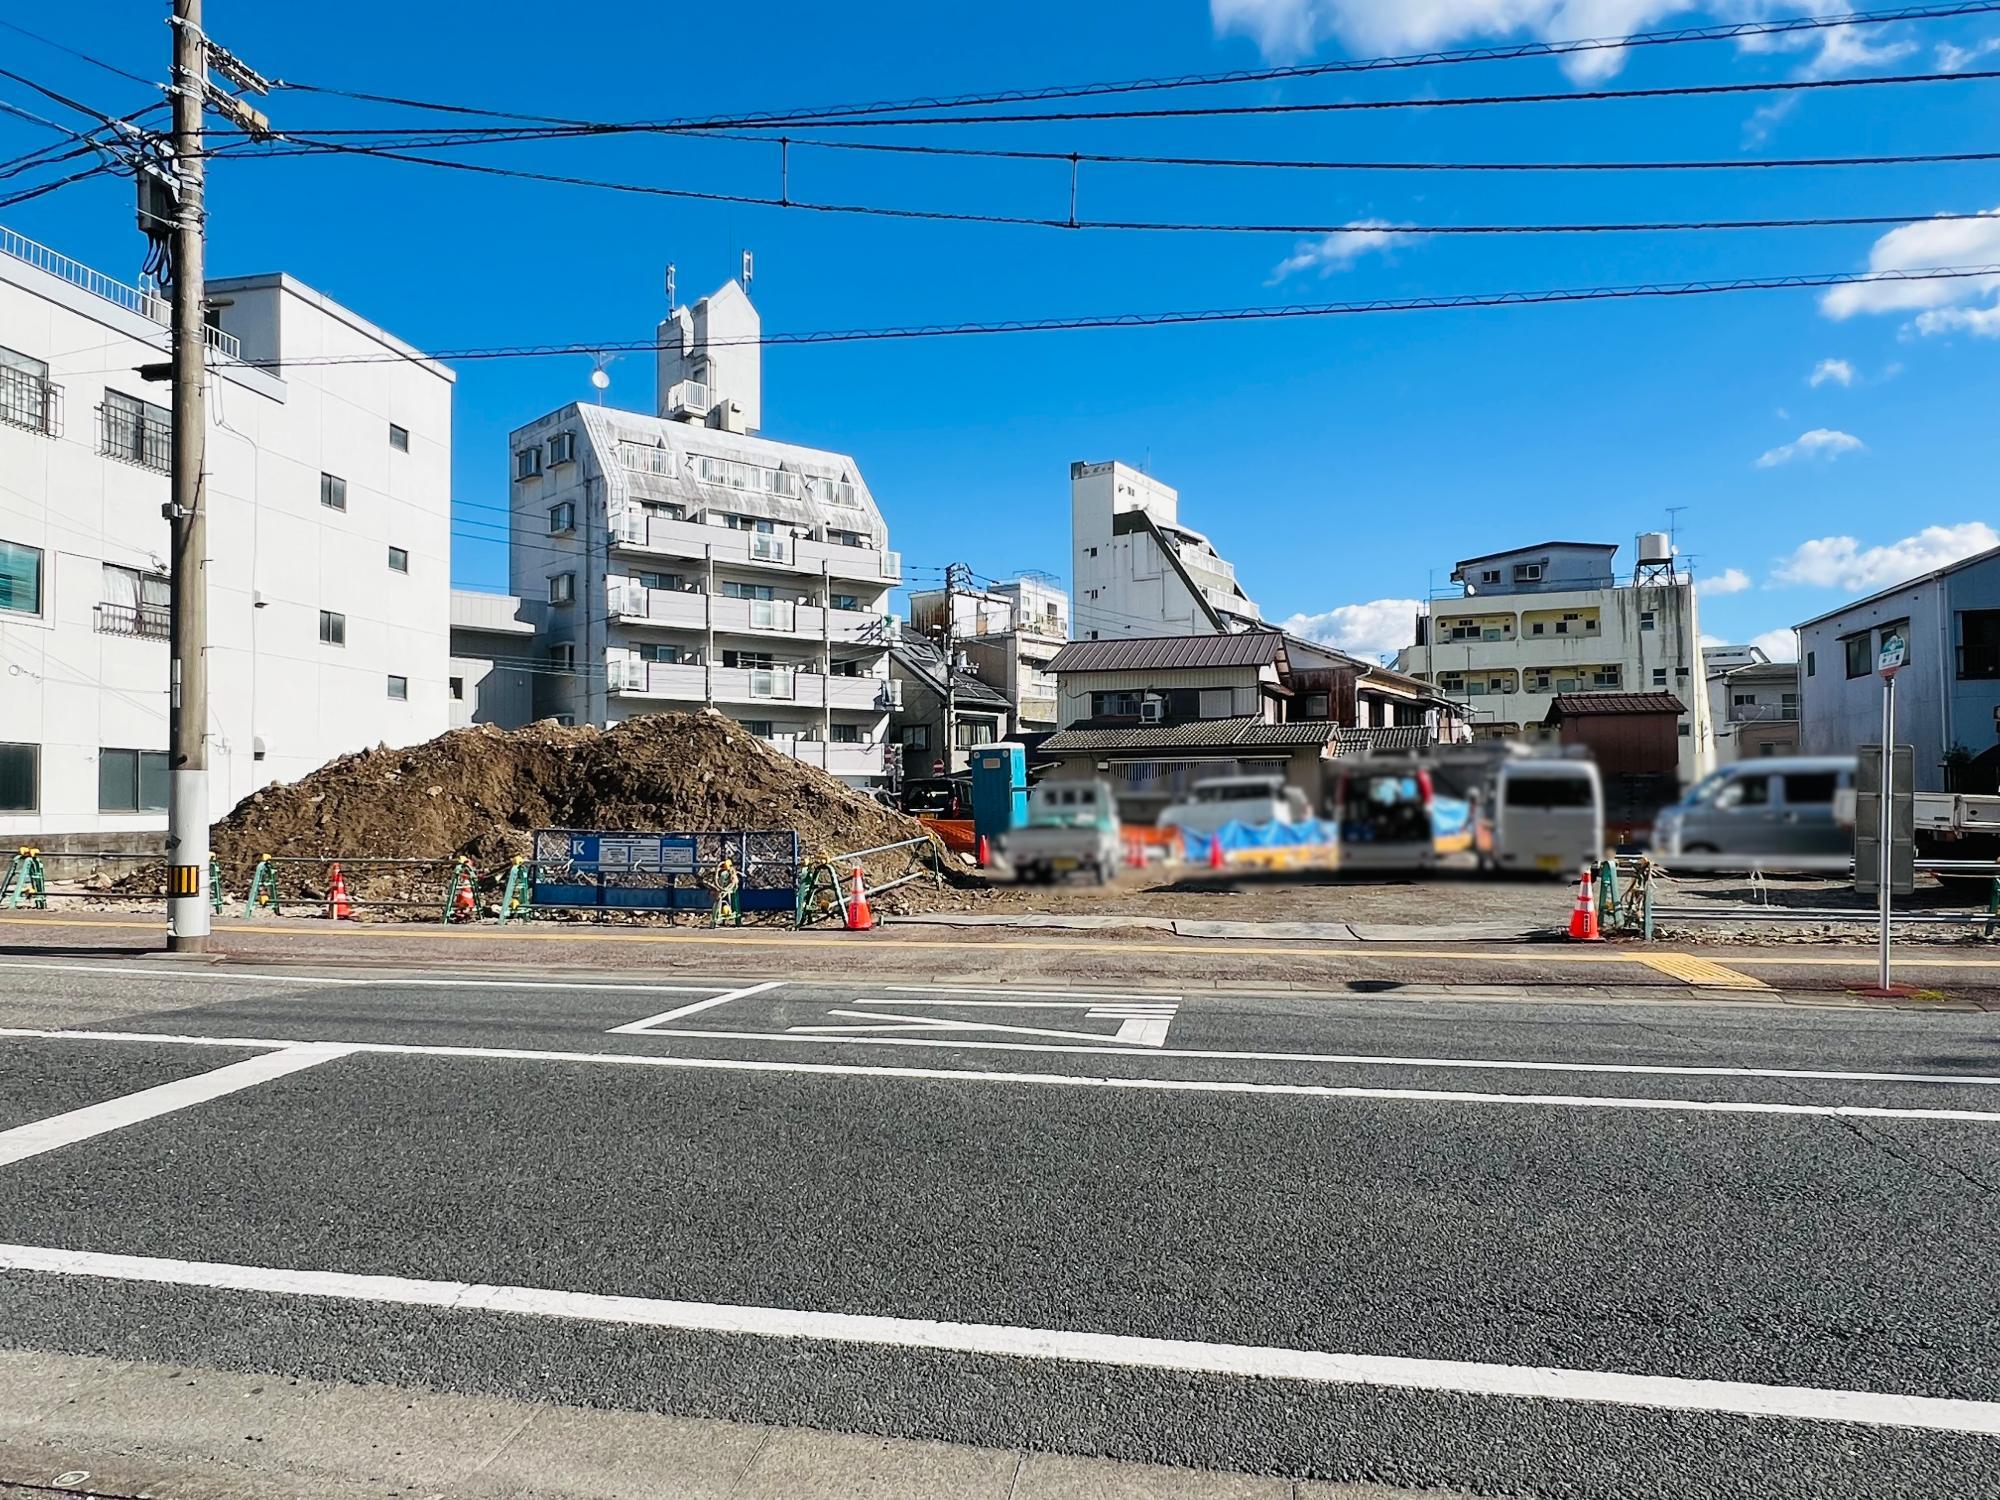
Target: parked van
[1545, 815]
[1385, 819]
[1254, 800]
[1775, 808]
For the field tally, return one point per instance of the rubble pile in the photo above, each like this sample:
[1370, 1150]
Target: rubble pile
[482, 792]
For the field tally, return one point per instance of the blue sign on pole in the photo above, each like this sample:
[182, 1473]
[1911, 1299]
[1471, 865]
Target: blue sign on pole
[633, 853]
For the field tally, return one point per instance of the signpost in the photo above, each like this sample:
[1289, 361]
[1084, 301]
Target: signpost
[1887, 665]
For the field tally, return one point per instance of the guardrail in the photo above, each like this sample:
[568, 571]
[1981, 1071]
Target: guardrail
[1637, 908]
[821, 894]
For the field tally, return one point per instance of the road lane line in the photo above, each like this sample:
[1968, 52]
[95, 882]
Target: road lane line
[1057, 1080]
[1704, 972]
[1242, 1361]
[1150, 1008]
[1359, 1059]
[24, 1141]
[462, 981]
[724, 998]
[968, 989]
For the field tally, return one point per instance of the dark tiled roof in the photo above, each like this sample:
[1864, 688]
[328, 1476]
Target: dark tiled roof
[920, 656]
[1354, 743]
[1219, 734]
[1572, 705]
[1143, 653]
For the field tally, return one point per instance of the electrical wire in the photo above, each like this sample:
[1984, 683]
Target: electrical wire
[63, 99]
[1144, 226]
[98, 62]
[26, 195]
[1498, 53]
[1434, 303]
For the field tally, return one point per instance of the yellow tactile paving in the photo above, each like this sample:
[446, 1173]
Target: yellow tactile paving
[1705, 972]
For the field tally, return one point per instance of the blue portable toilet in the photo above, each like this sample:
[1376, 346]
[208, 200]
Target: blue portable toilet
[999, 788]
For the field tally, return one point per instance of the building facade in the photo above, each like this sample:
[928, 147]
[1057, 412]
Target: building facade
[328, 575]
[1753, 702]
[1009, 634]
[1533, 622]
[685, 563]
[1136, 570]
[494, 660]
[1948, 692]
[980, 714]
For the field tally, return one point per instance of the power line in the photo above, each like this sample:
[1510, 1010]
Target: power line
[1498, 53]
[63, 99]
[1149, 226]
[1435, 303]
[98, 62]
[25, 195]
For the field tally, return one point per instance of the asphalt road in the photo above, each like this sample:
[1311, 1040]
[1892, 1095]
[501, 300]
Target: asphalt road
[1530, 1247]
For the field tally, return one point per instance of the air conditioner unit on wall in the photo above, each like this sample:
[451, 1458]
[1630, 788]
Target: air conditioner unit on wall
[1152, 710]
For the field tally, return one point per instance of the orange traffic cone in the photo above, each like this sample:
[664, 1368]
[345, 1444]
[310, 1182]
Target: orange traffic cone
[1215, 859]
[337, 906]
[1583, 920]
[859, 917]
[985, 852]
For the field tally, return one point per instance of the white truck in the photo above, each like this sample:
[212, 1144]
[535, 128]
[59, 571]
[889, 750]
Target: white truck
[1072, 829]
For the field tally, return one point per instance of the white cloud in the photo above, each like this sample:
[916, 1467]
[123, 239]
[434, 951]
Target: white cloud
[1980, 322]
[1842, 562]
[1850, 49]
[1289, 29]
[1924, 244]
[1728, 581]
[1779, 645]
[1952, 59]
[1766, 118]
[1378, 628]
[1822, 442]
[1839, 371]
[1338, 251]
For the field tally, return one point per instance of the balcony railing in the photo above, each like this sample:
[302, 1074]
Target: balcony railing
[1762, 713]
[1979, 662]
[29, 400]
[153, 621]
[146, 303]
[136, 437]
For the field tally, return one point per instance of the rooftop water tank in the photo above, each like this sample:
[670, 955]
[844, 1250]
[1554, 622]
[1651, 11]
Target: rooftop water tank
[1655, 547]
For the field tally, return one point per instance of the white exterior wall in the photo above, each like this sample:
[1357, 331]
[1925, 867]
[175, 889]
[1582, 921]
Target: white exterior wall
[1838, 713]
[616, 620]
[281, 703]
[1618, 641]
[1124, 585]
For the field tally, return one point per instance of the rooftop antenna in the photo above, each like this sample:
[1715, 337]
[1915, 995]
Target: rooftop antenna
[670, 287]
[749, 269]
[1674, 529]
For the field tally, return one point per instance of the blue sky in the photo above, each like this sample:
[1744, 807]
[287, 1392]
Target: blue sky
[1819, 449]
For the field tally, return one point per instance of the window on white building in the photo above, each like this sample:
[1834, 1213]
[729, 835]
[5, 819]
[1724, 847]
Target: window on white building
[399, 688]
[974, 732]
[399, 438]
[134, 602]
[136, 432]
[20, 778]
[457, 688]
[847, 734]
[528, 462]
[562, 448]
[130, 781]
[399, 560]
[562, 518]
[562, 588]
[333, 492]
[1648, 619]
[917, 736]
[1659, 677]
[20, 578]
[332, 628]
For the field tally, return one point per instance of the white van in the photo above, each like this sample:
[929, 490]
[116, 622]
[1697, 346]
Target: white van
[1252, 800]
[1544, 815]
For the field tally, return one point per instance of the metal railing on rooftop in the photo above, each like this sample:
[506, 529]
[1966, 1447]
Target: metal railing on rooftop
[145, 302]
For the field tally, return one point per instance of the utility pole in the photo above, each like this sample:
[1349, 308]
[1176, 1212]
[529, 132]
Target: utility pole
[187, 744]
[951, 574]
[187, 509]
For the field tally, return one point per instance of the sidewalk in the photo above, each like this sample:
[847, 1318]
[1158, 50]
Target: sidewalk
[75, 1426]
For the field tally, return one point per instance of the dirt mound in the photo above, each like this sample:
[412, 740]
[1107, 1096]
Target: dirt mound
[482, 792]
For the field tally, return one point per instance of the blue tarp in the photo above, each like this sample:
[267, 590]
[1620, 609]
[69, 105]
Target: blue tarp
[1450, 817]
[1312, 833]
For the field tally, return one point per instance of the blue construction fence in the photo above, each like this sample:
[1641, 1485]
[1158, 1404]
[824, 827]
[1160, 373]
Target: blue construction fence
[609, 870]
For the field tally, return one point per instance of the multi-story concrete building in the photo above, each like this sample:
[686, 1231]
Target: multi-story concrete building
[329, 499]
[1008, 635]
[1532, 622]
[1753, 702]
[495, 663]
[1948, 692]
[1136, 570]
[687, 562]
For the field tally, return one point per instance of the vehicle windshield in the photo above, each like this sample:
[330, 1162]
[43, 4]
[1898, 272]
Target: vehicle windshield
[1235, 791]
[1547, 791]
[1704, 790]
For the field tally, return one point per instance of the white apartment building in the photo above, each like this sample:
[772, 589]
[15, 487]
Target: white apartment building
[686, 562]
[1136, 570]
[1532, 622]
[329, 498]
[494, 659]
[1008, 634]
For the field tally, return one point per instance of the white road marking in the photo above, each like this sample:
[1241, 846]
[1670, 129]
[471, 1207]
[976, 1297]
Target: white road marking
[33, 1139]
[1166, 1007]
[966, 989]
[1245, 1361]
[1060, 1080]
[461, 981]
[687, 1010]
[1144, 1031]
